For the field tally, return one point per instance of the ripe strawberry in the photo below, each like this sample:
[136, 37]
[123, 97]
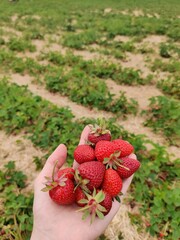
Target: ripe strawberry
[124, 147]
[103, 150]
[107, 203]
[131, 164]
[84, 153]
[99, 132]
[112, 183]
[61, 190]
[90, 174]
[66, 172]
[94, 205]
[63, 195]
[94, 138]
[79, 195]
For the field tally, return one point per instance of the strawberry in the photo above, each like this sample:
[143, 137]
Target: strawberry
[112, 183]
[79, 195]
[106, 152]
[84, 153]
[98, 132]
[63, 195]
[107, 203]
[131, 164]
[61, 190]
[66, 172]
[94, 138]
[94, 205]
[90, 175]
[124, 147]
[103, 150]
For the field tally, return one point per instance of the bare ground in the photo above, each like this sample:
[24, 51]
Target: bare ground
[133, 124]
[21, 150]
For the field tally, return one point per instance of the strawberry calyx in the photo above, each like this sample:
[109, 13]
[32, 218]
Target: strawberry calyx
[93, 206]
[52, 182]
[113, 161]
[117, 197]
[81, 182]
[99, 128]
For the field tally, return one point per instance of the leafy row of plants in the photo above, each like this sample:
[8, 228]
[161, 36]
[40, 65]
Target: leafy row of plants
[92, 92]
[172, 66]
[118, 24]
[163, 115]
[168, 50]
[98, 68]
[16, 207]
[154, 187]
[20, 45]
[170, 86]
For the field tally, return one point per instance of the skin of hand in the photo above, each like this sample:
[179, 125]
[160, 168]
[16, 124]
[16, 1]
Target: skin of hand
[55, 222]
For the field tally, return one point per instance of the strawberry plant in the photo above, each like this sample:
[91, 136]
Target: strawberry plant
[170, 86]
[20, 45]
[79, 40]
[16, 209]
[163, 115]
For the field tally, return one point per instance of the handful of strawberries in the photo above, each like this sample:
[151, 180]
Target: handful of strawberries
[98, 179]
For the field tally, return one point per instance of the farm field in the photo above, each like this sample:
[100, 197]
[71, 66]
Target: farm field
[63, 64]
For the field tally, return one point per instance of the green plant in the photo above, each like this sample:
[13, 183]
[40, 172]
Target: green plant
[20, 45]
[79, 40]
[163, 115]
[16, 210]
[170, 86]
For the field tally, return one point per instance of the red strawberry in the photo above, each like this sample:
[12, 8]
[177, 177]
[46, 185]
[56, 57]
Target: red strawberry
[66, 172]
[99, 132]
[129, 163]
[63, 195]
[103, 150]
[124, 147]
[107, 203]
[61, 190]
[90, 174]
[84, 153]
[94, 138]
[112, 183]
[79, 195]
[94, 205]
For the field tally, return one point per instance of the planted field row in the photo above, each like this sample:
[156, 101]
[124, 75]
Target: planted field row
[47, 126]
[163, 115]
[97, 24]
[92, 92]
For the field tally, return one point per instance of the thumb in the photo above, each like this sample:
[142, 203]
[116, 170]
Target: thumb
[59, 155]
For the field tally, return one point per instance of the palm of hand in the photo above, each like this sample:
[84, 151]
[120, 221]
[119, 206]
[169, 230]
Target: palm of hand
[52, 221]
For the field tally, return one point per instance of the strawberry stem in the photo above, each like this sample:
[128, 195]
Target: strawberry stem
[53, 173]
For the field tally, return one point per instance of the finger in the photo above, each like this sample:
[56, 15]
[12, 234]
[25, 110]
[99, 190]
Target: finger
[132, 155]
[59, 155]
[84, 135]
[83, 139]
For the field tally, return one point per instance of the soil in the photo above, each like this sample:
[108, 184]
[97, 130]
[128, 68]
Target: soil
[21, 150]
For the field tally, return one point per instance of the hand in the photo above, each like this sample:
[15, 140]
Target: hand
[54, 222]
